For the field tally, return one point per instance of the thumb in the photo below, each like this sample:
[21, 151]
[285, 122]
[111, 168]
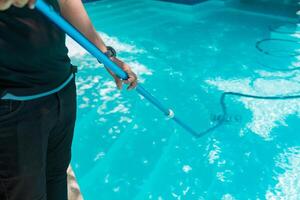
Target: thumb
[118, 83]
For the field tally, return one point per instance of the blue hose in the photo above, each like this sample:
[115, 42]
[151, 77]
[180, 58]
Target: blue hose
[50, 13]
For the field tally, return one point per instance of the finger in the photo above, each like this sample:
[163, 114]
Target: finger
[118, 83]
[133, 85]
[20, 3]
[5, 4]
[31, 4]
[129, 80]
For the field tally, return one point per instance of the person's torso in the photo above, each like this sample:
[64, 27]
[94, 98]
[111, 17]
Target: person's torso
[33, 55]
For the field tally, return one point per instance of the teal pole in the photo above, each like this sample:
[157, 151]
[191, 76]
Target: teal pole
[57, 19]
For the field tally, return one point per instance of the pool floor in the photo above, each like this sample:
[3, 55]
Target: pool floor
[124, 149]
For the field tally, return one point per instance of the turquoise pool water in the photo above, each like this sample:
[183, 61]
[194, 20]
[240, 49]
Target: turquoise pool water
[124, 149]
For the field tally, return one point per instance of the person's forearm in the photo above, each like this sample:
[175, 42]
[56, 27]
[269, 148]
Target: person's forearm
[75, 13]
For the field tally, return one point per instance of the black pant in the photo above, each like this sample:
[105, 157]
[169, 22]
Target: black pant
[35, 146]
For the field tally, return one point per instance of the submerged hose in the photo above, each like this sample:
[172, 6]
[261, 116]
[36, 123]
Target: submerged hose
[278, 56]
[223, 117]
[294, 53]
[50, 13]
[284, 97]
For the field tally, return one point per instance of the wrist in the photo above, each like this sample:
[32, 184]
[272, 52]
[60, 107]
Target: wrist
[121, 64]
[103, 48]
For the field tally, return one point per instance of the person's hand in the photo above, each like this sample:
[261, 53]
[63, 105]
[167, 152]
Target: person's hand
[6, 4]
[132, 80]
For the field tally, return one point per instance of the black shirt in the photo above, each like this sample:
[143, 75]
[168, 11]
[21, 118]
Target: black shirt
[33, 54]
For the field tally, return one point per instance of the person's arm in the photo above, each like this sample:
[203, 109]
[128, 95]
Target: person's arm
[74, 12]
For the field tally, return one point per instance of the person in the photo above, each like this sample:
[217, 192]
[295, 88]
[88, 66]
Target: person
[38, 98]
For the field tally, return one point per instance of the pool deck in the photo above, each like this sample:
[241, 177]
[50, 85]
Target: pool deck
[73, 187]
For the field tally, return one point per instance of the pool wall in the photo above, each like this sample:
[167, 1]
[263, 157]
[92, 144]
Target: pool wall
[189, 2]
[286, 8]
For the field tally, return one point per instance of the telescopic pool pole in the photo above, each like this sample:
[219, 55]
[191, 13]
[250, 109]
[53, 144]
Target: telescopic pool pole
[57, 19]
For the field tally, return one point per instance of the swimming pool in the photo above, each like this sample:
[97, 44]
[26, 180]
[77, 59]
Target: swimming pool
[188, 56]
